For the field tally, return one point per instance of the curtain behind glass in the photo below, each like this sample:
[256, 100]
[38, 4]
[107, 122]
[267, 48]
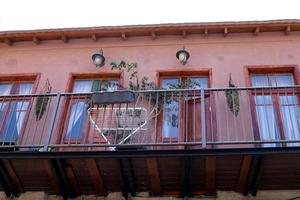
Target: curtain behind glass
[170, 112]
[77, 114]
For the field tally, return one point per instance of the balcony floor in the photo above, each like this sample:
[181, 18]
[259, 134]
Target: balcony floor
[164, 172]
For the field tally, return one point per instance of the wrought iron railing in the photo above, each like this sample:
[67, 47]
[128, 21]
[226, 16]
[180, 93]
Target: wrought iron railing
[157, 119]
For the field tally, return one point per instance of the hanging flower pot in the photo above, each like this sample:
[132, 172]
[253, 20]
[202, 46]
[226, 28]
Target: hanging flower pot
[232, 98]
[42, 101]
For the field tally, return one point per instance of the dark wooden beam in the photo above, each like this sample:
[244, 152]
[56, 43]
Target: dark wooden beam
[244, 173]
[8, 42]
[124, 181]
[59, 168]
[254, 175]
[53, 178]
[7, 182]
[184, 34]
[36, 40]
[210, 175]
[96, 176]
[185, 178]
[225, 32]
[153, 172]
[94, 37]
[256, 32]
[72, 179]
[153, 34]
[64, 38]
[123, 35]
[288, 30]
[13, 176]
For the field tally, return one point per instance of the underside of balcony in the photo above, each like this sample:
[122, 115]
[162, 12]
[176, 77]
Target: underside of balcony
[178, 173]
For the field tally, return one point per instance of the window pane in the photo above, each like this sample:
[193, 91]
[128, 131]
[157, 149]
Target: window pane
[76, 121]
[259, 81]
[5, 89]
[266, 118]
[197, 83]
[284, 80]
[81, 86]
[290, 114]
[170, 83]
[25, 88]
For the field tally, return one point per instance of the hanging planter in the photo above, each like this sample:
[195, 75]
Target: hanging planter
[232, 98]
[42, 101]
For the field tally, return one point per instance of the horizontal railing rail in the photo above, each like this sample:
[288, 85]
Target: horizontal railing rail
[235, 117]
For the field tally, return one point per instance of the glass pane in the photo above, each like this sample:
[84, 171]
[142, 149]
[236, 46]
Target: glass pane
[14, 121]
[170, 83]
[5, 89]
[76, 121]
[290, 113]
[197, 83]
[170, 110]
[81, 86]
[259, 81]
[266, 119]
[25, 88]
[284, 80]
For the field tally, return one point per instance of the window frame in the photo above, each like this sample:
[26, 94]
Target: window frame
[268, 70]
[184, 75]
[85, 137]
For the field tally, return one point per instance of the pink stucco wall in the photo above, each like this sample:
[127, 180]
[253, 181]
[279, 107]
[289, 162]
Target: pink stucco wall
[55, 59]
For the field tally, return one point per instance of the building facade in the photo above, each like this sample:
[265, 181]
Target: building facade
[226, 120]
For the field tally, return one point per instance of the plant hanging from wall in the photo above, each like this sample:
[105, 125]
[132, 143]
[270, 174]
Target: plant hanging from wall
[232, 98]
[42, 101]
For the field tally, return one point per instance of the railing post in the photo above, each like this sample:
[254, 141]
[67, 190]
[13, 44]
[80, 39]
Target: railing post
[52, 121]
[203, 128]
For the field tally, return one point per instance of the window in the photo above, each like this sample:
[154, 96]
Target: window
[13, 110]
[78, 105]
[277, 111]
[177, 107]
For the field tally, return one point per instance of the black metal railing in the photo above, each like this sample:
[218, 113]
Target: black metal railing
[156, 119]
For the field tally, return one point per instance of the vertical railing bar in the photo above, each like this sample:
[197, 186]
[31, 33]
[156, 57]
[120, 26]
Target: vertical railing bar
[45, 118]
[234, 117]
[227, 117]
[140, 135]
[73, 122]
[219, 115]
[242, 106]
[84, 137]
[16, 124]
[52, 121]
[149, 117]
[10, 120]
[125, 123]
[288, 105]
[156, 113]
[203, 128]
[5, 113]
[251, 113]
[296, 107]
[194, 116]
[103, 119]
[96, 116]
[110, 121]
[211, 116]
[186, 102]
[264, 109]
[132, 121]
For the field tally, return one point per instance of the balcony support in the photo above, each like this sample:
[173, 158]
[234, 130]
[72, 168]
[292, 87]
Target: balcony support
[96, 176]
[127, 179]
[9, 179]
[244, 174]
[153, 172]
[254, 175]
[186, 176]
[210, 175]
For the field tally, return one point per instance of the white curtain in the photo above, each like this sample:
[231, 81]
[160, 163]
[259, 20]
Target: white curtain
[4, 90]
[266, 118]
[290, 114]
[78, 109]
[22, 107]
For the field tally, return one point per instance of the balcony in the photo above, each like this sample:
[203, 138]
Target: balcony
[170, 142]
